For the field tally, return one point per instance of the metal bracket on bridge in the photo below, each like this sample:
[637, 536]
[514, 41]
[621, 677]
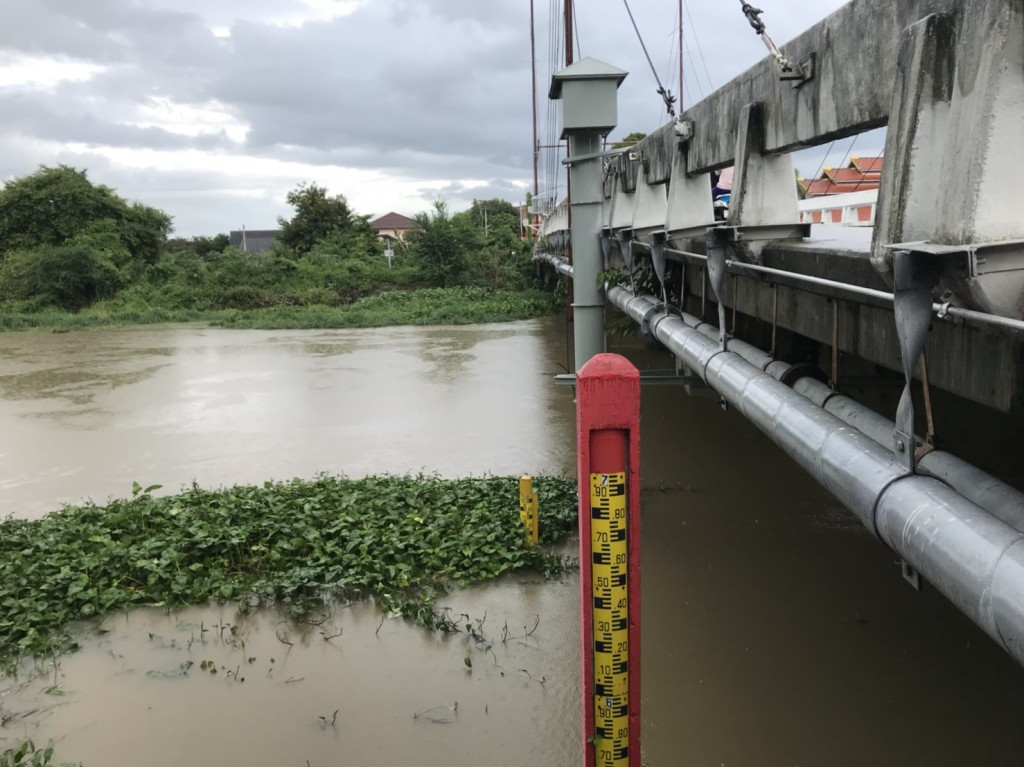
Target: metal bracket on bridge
[971, 260]
[915, 275]
[606, 247]
[649, 378]
[718, 248]
[625, 240]
[805, 71]
[664, 309]
[740, 234]
[658, 242]
[910, 575]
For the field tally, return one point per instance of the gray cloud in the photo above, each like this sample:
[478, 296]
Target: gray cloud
[430, 91]
[112, 31]
[460, 195]
[35, 115]
[435, 91]
[200, 202]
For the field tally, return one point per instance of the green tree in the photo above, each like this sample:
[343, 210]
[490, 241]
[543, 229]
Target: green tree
[66, 276]
[499, 259]
[53, 206]
[439, 246]
[495, 213]
[633, 138]
[356, 243]
[203, 247]
[317, 215]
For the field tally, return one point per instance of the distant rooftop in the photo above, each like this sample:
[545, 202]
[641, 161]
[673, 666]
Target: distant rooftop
[861, 175]
[254, 240]
[394, 221]
[868, 164]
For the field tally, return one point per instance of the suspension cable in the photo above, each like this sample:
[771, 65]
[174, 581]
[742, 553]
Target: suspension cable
[700, 51]
[666, 95]
[789, 70]
[576, 28]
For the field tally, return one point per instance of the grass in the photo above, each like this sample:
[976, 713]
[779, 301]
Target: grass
[59, 320]
[427, 306]
[404, 541]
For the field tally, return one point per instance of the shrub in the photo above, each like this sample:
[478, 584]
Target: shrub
[70, 277]
[246, 297]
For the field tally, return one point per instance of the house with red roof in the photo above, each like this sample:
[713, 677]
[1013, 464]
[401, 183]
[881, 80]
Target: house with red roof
[861, 175]
[859, 180]
[393, 226]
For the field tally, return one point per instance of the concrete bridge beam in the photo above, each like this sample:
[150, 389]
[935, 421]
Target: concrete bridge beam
[955, 153]
[764, 201]
[650, 207]
[690, 210]
[764, 188]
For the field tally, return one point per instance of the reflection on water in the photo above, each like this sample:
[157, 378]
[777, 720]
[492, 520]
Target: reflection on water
[212, 686]
[86, 414]
[776, 631]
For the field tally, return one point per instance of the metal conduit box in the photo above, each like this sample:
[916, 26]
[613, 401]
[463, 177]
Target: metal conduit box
[589, 92]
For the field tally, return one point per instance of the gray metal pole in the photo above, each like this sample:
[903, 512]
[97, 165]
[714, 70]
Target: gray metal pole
[588, 306]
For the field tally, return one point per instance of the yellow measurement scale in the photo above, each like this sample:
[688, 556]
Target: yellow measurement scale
[610, 592]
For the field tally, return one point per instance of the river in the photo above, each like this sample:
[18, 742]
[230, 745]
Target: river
[776, 631]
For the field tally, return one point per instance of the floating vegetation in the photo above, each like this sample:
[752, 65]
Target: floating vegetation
[27, 755]
[403, 541]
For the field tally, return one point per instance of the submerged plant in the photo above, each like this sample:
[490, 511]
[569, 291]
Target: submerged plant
[404, 541]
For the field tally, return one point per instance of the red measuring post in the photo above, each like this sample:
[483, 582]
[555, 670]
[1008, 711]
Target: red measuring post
[608, 450]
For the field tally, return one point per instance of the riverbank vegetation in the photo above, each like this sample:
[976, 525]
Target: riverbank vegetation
[402, 541]
[74, 254]
[424, 306]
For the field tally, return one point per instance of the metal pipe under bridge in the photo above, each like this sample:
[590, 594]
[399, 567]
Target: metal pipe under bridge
[934, 291]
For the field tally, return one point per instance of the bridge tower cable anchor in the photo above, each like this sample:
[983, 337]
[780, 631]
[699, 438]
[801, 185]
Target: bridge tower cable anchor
[788, 69]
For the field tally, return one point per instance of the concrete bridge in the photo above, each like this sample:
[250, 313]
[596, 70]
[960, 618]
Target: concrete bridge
[934, 291]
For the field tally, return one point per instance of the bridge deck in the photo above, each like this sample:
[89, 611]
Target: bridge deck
[849, 240]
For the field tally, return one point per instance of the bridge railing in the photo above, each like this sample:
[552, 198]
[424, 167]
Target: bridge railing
[945, 76]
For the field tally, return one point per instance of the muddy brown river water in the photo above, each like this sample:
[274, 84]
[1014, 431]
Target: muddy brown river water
[776, 631]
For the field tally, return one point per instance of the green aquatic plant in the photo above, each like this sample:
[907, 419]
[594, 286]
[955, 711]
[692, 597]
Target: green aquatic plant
[25, 754]
[403, 541]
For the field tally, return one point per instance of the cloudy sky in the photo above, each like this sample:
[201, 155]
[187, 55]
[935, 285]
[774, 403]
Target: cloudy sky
[213, 109]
